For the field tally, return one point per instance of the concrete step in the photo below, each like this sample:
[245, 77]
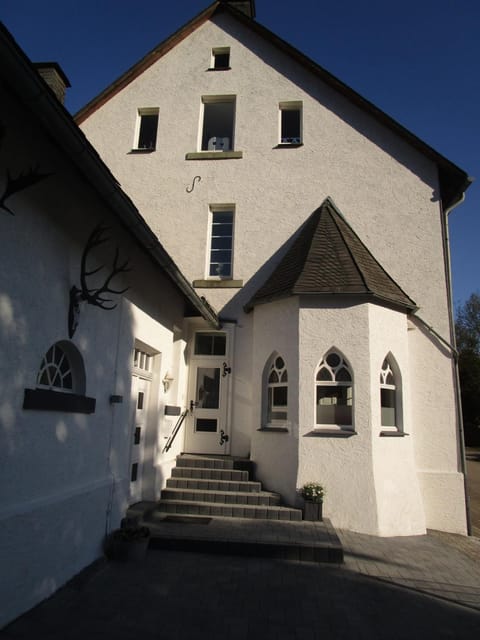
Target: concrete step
[225, 497]
[205, 462]
[214, 485]
[286, 539]
[201, 473]
[263, 512]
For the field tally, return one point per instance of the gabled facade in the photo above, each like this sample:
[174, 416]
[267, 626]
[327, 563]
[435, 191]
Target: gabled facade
[307, 325]
[338, 323]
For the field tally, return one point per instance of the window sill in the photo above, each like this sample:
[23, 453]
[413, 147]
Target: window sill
[274, 429]
[213, 155]
[289, 145]
[219, 68]
[218, 284]
[48, 400]
[134, 151]
[330, 433]
[393, 434]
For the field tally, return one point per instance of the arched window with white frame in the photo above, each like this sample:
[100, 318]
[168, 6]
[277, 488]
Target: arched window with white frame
[390, 403]
[275, 391]
[334, 392]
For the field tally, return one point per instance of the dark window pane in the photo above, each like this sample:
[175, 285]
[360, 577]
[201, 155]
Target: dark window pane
[133, 476]
[324, 375]
[218, 123]
[222, 243]
[206, 424]
[68, 381]
[280, 396]
[334, 405]
[208, 387]
[279, 363]
[147, 138]
[291, 125]
[140, 400]
[333, 360]
[273, 377]
[284, 377]
[343, 375]
[136, 437]
[219, 344]
[203, 344]
[222, 60]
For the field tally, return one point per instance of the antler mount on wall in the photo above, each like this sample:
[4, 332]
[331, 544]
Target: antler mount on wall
[95, 295]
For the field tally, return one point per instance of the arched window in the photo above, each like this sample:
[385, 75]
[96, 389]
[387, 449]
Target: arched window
[61, 382]
[389, 394]
[276, 391]
[334, 392]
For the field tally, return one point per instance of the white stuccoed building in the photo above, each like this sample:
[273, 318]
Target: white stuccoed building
[307, 326]
[228, 139]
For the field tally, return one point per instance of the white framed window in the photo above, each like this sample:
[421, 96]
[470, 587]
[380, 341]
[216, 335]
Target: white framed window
[390, 395]
[146, 129]
[276, 391]
[334, 392]
[220, 256]
[62, 369]
[218, 123]
[290, 123]
[220, 59]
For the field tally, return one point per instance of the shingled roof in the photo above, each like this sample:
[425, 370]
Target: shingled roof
[327, 257]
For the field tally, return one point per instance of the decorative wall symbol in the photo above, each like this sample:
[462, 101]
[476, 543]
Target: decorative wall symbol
[196, 178]
[92, 295]
[23, 181]
[226, 370]
[223, 438]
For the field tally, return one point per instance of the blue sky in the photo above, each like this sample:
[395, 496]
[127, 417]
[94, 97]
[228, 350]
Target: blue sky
[417, 60]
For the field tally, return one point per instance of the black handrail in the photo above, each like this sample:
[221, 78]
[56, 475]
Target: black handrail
[176, 429]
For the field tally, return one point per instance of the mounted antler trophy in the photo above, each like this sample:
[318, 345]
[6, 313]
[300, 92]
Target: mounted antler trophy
[91, 295]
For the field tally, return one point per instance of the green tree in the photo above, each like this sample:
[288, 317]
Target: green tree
[467, 331]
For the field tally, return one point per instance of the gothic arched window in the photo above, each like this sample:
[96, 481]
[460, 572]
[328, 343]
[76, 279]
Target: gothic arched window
[334, 392]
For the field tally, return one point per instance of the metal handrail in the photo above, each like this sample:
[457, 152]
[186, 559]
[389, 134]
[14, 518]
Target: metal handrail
[176, 429]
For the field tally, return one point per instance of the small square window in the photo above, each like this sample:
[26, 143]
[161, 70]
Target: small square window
[147, 125]
[220, 58]
[290, 123]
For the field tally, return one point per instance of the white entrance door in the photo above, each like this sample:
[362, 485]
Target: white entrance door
[140, 388]
[207, 429]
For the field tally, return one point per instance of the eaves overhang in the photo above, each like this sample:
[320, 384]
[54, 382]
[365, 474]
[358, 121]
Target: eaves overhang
[17, 72]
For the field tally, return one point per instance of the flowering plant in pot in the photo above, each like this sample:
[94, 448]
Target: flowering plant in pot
[313, 494]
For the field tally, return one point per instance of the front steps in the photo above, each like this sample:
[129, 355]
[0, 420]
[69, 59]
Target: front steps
[210, 505]
[208, 486]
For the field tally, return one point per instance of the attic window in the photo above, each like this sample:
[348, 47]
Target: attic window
[220, 59]
[146, 130]
[290, 123]
[218, 123]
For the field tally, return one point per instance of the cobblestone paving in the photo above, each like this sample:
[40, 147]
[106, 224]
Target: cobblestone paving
[389, 588]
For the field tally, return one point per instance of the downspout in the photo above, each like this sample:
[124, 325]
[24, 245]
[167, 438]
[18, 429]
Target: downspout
[458, 397]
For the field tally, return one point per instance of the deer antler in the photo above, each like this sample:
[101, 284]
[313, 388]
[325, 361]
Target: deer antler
[24, 180]
[94, 296]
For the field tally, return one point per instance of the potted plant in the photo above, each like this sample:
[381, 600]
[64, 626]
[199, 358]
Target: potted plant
[127, 544]
[312, 493]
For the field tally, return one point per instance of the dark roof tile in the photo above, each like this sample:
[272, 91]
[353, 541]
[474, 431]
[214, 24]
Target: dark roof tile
[327, 257]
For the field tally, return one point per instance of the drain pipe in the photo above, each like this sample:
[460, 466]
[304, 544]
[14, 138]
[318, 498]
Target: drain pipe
[458, 397]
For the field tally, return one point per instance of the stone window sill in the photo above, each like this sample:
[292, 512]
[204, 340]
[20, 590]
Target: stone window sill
[274, 429]
[219, 68]
[48, 400]
[213, 155]
[289, 145]
[134, 151]
[330, 433]
[218, 284]
[393, 434]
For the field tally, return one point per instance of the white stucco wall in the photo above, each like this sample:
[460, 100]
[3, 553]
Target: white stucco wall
[64, 477]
